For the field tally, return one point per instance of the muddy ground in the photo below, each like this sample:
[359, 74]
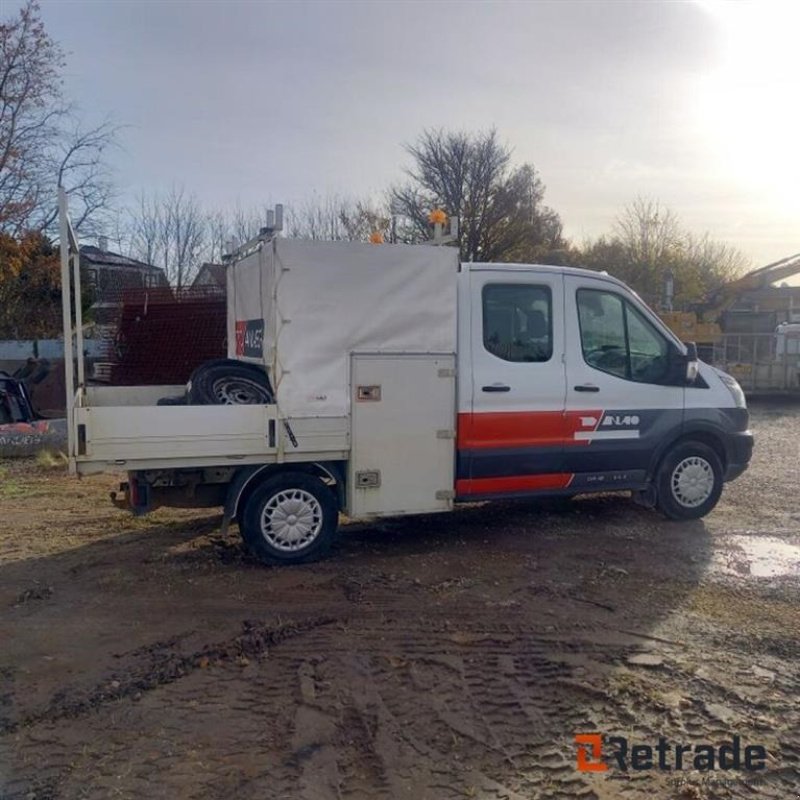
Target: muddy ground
[438, 657]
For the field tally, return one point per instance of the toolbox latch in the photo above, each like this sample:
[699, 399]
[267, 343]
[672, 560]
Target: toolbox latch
[368, 479]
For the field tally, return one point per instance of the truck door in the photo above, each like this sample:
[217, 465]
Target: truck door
[620, 404]
[510, 435]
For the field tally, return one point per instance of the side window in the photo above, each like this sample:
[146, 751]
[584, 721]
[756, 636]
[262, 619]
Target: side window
[602, 320]
[649, 349]
[518, 321]
[617, 339]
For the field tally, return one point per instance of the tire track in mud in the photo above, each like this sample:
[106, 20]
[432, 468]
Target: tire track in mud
[254, 641]
[407, 745]
[455, 709]
[402, 708]
[497, 712]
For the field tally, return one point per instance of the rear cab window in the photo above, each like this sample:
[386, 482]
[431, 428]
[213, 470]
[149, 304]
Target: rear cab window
[518, 322]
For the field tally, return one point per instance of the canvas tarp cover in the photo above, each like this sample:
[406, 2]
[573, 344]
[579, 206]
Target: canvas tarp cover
[315, 303]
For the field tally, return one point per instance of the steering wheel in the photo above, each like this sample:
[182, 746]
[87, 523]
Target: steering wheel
[607, 357]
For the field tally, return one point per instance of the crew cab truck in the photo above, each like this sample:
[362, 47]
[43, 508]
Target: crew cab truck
[390, 379]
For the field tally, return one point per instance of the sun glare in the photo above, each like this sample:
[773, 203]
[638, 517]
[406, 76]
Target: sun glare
[750, 103]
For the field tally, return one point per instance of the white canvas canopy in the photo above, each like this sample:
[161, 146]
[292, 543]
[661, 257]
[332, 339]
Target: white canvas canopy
[303, 307]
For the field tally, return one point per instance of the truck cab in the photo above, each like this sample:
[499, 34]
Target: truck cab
[569, 383]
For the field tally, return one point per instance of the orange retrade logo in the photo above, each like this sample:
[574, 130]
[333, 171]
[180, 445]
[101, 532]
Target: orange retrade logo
[666, 755]
[590, 752]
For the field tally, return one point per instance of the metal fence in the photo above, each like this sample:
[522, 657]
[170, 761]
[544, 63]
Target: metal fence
[763, 363]
[162, 334]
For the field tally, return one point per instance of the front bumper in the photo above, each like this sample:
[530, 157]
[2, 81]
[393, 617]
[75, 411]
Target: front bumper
[739, 450]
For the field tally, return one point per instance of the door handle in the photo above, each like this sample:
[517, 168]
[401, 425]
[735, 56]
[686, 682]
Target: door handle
[497, 387]
[586, 387]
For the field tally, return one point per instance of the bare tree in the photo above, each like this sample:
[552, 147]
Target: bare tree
[650, 231]
[77, 163]
[30, 108]
[173, 230]
[41, 145]
[170, 230]
[246, 222]
[716, 263]
[144, 232]
[186, 223]
[469, 175]
[648, 242]
[363, 218]
[118, 231]
[334, 217]
[317, 218]
[218, 236]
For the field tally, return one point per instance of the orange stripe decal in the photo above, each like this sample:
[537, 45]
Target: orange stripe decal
[514, 483]
[507, 429]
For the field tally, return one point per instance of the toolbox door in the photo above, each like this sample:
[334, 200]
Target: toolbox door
[403, 434]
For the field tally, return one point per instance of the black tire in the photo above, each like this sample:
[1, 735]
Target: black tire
[689, 481]
[274, 534]
[177, 400]
[228, 382]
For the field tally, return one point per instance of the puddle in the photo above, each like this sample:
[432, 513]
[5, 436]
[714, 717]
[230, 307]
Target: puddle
[757, 557]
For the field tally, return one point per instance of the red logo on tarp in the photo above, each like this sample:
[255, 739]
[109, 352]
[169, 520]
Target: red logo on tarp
[241, 329]
[250, 338]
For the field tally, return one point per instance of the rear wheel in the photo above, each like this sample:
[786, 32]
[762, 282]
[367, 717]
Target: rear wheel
[689, 481]
[229, 382]
[291, 518]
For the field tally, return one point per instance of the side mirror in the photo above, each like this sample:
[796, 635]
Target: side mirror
[692, 362]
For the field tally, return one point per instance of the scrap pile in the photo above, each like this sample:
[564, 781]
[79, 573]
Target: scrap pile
[163, 334]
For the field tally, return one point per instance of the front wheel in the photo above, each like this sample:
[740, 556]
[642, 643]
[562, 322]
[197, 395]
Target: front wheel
[689, 481]
[290, 518]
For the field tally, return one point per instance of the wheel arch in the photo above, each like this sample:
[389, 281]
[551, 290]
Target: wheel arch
[248, 478]
[708, 436]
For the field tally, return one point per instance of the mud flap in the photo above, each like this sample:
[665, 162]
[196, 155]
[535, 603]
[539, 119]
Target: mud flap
[135, 496]
[645, 497]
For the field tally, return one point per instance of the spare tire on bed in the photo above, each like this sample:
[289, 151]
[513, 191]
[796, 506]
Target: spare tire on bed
[226, 381]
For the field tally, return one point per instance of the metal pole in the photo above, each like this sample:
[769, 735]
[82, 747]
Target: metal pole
[786, 343]
[76, 283]
[66, 311]
[771, 356]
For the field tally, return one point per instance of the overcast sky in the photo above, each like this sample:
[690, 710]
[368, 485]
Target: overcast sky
[695, 104]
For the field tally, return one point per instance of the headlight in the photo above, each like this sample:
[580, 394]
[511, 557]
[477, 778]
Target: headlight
[733, 388]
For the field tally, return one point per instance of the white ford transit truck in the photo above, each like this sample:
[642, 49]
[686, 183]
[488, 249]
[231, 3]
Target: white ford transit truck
[391, 379]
